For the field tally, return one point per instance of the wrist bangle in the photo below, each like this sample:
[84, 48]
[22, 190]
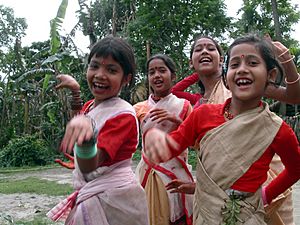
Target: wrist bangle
[287, 50]
[292, 82]
[288, 60]
[86, 151]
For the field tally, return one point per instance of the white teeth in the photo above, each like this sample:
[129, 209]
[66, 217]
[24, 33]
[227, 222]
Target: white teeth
[205, 60]
[99, 85]
[243, 81]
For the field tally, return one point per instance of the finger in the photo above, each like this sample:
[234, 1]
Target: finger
[156, 110]
[268, 37]
[157, 117]
[68, 156]
[75, 138]
[173, 184]
[58, 86]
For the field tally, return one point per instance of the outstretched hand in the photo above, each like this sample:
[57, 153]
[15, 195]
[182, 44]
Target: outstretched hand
[161, 114]
[78, 130]
[157, 146]
[279, 48]
[179, 186]
[67, 81]
[68, 165]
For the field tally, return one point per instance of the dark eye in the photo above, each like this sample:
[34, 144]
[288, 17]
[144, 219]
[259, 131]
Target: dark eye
[233, 65]
[211, 48]
[198, 49]
[253, 63]
[93, 65]
[111, 70]
[162, 70]
[151, 72]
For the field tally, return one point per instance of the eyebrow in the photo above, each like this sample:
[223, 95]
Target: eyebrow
[245, 56]
[207, 44]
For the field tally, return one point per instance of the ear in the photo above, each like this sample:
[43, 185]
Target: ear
[127, 79]
[191, 64]
[173, 77]
[221, 60]
[272, 74]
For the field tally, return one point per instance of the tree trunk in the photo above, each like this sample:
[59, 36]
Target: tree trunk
[114, 19]
[276, 20]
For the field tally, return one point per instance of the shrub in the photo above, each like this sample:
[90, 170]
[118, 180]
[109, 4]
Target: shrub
[26, 151]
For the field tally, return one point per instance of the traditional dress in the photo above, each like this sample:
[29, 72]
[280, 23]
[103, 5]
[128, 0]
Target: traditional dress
[165, 208]
[280, 212]
[235, 158]
[110, 195]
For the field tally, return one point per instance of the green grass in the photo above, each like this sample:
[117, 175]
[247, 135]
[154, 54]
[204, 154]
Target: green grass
[137, 155]
[34, 185]
[192, 158]
[7, 170]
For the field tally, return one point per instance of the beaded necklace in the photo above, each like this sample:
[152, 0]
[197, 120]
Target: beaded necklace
[227, 114]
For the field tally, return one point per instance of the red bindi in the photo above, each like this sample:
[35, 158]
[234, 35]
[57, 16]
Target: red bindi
[103, 62]
[242, 56]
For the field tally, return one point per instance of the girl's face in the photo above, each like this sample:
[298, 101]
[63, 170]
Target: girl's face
[206, 58]
[105, 78]
[247, 73]
[160, 77]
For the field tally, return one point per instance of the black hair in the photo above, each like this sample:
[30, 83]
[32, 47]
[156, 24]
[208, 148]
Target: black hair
[167, 60]
[266, 51]
[198, 37]
[119, 49]
[219, 49]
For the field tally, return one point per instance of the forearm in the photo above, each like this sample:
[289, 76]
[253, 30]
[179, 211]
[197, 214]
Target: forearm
[185, 83]
[90, 161]
[76, 102]
[280, 184]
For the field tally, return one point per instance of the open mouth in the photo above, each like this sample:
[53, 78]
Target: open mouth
[205, 60]
[158, 82]
[243, 82]
[99, 86]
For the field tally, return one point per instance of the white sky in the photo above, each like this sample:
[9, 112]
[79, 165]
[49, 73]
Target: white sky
[38, 14]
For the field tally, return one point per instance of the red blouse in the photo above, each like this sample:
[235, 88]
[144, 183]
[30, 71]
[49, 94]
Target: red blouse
[118, 137]
[179, 87]
[285, 144]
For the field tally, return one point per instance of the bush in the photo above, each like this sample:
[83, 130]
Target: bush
[26, 151]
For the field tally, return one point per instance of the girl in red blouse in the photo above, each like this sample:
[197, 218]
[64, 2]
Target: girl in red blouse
[103, 139]
[238, 140]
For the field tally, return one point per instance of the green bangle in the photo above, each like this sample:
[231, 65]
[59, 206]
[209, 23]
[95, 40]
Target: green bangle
[86, 151]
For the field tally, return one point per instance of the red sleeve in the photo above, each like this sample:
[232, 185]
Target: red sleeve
[118, 138]
[286, 146]
[195, 126]
[179, 87]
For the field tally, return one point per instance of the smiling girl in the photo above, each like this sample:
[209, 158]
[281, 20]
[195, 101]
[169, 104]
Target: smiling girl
[238, 140]
[103, 139]
[165, 112]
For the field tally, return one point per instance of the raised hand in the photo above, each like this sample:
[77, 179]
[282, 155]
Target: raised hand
[67, 81]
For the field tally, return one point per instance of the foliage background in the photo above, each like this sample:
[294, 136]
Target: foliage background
[31, 107]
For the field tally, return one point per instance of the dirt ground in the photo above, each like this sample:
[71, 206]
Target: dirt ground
[26, 206]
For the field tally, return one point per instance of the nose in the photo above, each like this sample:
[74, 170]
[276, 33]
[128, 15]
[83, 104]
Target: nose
[157, 73]
[100, 73]
[243, 68]
[204, 51]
